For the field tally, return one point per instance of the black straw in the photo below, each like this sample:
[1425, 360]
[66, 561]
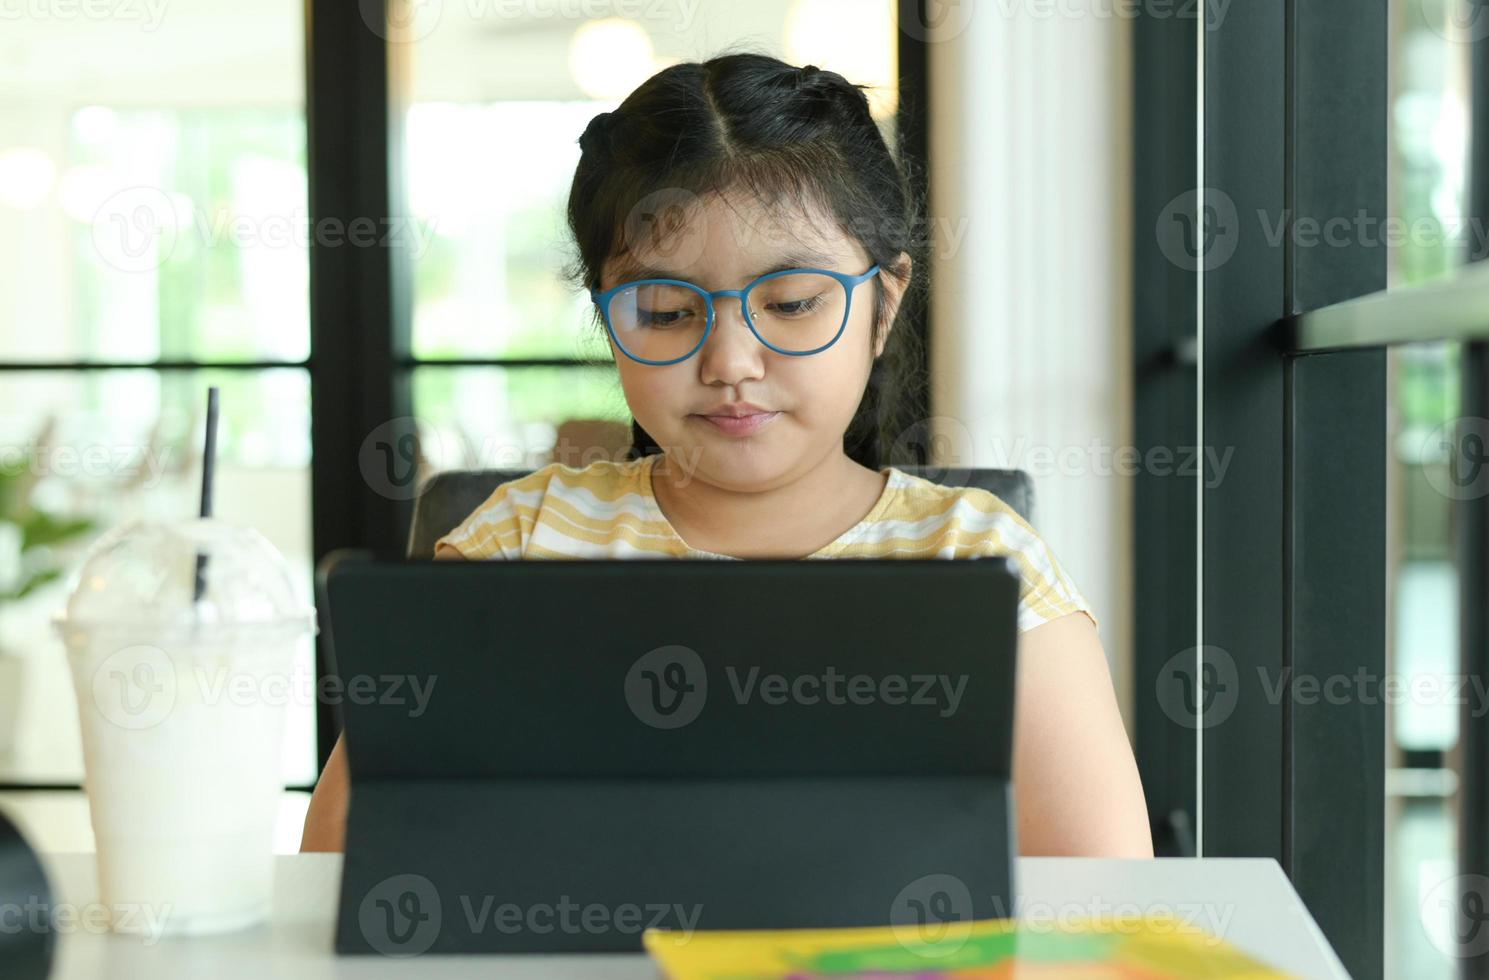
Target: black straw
[209, 468]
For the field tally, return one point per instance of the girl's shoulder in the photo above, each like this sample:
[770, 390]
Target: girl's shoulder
[501, 526]
[928, 519]
[927, 506]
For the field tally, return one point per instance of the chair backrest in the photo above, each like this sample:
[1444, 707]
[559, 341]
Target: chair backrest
[449, 497]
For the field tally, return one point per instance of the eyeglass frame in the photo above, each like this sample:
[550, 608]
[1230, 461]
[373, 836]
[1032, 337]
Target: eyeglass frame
[847, 281]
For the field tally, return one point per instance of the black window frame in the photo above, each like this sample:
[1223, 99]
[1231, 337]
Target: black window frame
[1291, 350]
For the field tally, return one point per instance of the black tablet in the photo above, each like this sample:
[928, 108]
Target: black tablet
[553, 756]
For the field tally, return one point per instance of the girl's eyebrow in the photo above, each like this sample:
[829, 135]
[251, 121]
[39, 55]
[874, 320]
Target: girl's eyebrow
[629, 271]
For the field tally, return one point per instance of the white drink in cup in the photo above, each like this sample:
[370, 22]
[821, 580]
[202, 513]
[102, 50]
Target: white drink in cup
[182, 668]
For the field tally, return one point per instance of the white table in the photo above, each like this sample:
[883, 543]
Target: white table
[1246, 901]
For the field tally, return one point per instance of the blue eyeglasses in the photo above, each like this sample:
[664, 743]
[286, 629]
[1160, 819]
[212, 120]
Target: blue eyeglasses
[795, 311]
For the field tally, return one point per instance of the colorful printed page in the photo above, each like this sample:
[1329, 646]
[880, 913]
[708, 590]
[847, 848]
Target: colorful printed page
[1110, 948]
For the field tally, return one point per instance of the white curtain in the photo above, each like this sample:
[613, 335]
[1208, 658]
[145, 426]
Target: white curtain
[1030, 301]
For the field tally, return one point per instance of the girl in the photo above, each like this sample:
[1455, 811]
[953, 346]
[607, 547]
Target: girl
[749, 243]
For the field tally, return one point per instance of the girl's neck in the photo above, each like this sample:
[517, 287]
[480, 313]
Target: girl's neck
[789, 521]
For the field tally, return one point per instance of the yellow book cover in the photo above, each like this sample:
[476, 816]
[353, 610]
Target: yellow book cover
[1108, 948]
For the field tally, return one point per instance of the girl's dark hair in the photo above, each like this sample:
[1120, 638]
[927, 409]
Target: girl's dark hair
[755, 123]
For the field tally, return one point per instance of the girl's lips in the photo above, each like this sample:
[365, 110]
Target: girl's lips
[741, 425]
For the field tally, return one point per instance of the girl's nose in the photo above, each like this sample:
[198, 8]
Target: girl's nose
[732, 352]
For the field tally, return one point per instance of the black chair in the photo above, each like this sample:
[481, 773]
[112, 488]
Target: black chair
[448, 498]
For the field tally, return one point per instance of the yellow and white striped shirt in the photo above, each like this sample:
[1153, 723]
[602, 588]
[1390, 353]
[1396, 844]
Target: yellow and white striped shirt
[607, 510]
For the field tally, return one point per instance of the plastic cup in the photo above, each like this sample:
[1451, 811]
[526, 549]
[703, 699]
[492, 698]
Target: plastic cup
[181, 691]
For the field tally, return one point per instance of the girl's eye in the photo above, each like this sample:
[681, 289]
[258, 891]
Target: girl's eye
[796, 307]
[661, 319]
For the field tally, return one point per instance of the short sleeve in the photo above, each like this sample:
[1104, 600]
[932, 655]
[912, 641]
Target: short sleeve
[491, 531]
[1046, 592]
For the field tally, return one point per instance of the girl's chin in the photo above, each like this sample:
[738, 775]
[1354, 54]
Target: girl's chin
[736, 467]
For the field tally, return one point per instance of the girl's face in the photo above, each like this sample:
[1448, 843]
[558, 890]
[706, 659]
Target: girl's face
[725, 242]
